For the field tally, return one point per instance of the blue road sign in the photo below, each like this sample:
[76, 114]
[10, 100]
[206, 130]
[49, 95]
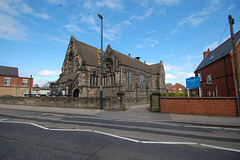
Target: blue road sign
[193, 82]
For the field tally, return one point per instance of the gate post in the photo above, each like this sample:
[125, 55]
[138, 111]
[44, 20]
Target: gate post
[121, 94]
[156, 102]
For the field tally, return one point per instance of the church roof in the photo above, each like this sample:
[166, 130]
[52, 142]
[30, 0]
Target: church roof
[219, 52]
[131, 62]
[89, 54]
[8, 71]
[65, 78]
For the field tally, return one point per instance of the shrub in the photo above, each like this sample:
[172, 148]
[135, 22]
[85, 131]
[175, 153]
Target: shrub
[178, 95]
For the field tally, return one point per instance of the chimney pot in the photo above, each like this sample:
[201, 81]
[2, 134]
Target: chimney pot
[137, 58]
[206, 53]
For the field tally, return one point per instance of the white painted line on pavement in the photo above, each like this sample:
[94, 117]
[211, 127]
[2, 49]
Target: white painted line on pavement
[76, 130]
[112, 135]
[3, 119]
[222, 148]
[183, 143]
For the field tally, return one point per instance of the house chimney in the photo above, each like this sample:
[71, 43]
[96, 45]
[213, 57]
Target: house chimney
[129, 54]
[206, 53]
[137, 58]
[145, 62]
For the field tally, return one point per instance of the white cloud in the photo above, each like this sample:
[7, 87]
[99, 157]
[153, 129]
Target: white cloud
[143, 3]
[151, 32]
[195, 19]
[28, 10]
[177, 73]
[211, 46]
[147, 13]
[139, 46]
[41, 82]
[48, 73]
[149, 42]
[168, 2]
[11, 29]
[192, 20]
[114, 32]
[73, 27]
[9, 7]
[88, 19]
[56, 39]
[112, 4]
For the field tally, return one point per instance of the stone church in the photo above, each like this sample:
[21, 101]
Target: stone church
[81, 74]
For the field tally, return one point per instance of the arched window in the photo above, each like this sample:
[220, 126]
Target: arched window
[112, 79]
[109, 64]
[94, 79]
[129, 80]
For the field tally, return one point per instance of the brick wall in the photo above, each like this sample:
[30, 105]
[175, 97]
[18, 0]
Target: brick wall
[200, 106]
[16, 87]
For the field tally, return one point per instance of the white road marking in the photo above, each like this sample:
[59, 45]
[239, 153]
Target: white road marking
[232, 129]
[183, 143]
[120, 137]
[76, 130]
[45, 128]
[3, 119]
[203, 127]
[222, 148]
[112, 135]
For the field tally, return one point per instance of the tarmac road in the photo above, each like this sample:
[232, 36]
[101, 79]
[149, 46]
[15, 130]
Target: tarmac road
[36, 135]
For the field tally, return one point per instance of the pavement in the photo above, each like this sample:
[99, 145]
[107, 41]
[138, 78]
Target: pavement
[138, 113]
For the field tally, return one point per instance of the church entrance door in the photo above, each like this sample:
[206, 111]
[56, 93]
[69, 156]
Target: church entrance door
[76, 93]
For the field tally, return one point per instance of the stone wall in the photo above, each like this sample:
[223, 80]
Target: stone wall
[67, 102]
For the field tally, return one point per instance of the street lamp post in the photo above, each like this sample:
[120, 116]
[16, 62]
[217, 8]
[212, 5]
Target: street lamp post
[101, 55]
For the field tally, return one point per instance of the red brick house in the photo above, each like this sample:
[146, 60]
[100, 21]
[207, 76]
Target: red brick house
[216, 71]
[12, 84]
[177, 88]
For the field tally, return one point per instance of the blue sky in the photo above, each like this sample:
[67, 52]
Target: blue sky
[34, 34]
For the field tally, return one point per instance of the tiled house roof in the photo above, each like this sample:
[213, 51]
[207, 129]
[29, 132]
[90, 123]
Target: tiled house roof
[219, 52]
[8, 71]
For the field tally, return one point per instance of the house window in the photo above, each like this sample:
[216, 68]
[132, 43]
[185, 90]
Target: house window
[25, 83]
[7, 81]
[209, 80]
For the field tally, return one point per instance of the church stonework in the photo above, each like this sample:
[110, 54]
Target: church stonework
[81, 75]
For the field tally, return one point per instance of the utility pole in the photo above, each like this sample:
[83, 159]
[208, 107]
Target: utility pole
[30, 87]
[231, 22]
